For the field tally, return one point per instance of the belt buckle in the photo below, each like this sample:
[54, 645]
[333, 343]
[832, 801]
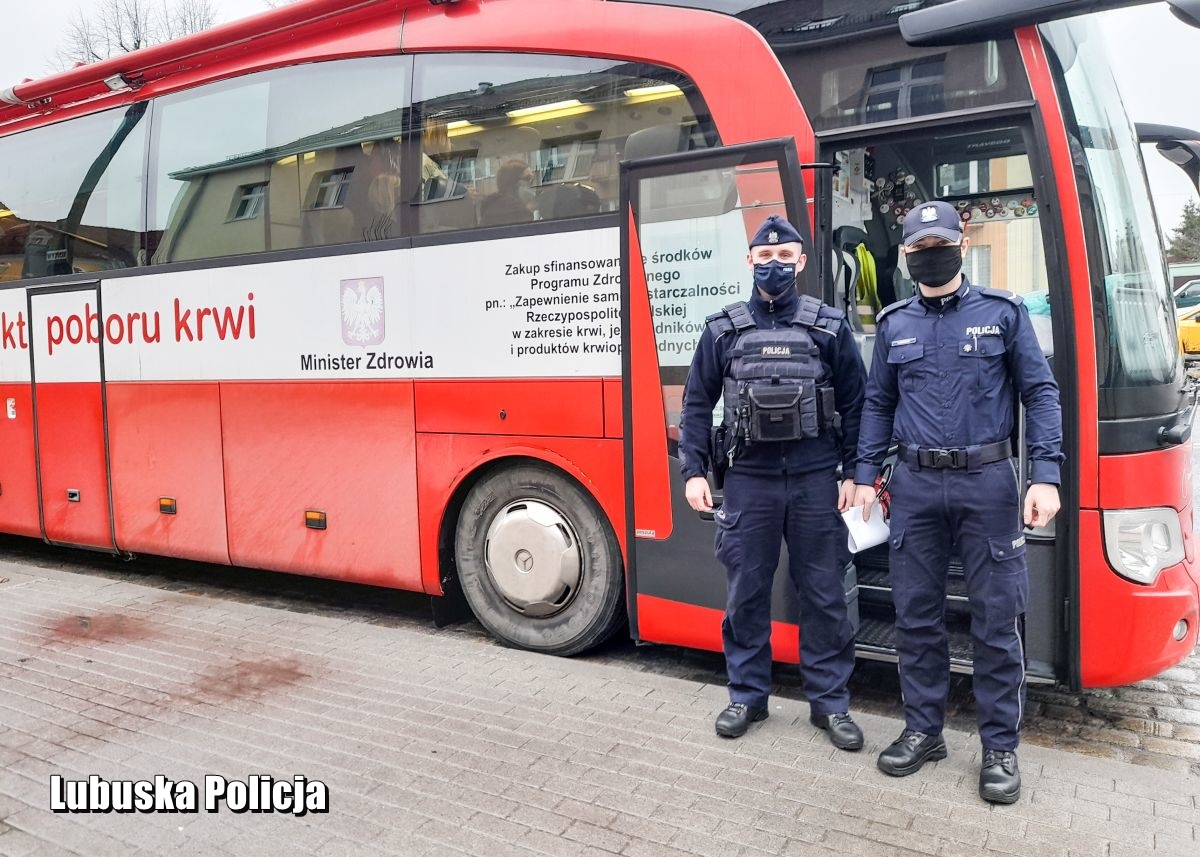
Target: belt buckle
[943, 458]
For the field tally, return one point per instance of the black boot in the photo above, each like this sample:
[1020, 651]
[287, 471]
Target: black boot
[910, 751]
[736, 719]
[843, 731]
[999, 779]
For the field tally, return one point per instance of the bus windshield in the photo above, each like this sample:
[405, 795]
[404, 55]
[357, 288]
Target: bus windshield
[1135, 325]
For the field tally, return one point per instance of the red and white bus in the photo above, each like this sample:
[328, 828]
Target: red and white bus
[404, 292]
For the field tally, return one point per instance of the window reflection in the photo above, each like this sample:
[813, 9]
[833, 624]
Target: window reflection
[71, 196]
[297, 157]
[510, 139]
[878, 78]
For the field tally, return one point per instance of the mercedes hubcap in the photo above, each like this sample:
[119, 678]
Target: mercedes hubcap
[533, 558]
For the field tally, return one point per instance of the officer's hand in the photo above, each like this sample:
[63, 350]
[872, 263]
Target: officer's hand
[698, 495]
[865, 496]
[846, 495]
[1041, 504]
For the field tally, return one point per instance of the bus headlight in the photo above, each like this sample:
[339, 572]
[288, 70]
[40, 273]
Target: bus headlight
[1140, 543]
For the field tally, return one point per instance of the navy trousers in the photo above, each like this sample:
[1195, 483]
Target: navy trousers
[979, 512]
[758, 515]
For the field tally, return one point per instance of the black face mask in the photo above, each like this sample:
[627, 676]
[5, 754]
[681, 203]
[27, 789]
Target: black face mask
[774, 277]
[935, 266]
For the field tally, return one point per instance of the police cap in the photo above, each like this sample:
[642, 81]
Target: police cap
[775, 230]
[932, 218]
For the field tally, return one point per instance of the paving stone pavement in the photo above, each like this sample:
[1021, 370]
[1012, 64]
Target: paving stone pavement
[1152, 722]
[442, 743]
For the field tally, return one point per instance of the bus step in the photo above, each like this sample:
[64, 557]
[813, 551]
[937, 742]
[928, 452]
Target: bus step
[877, 559]
[877, 580]
[877, 641]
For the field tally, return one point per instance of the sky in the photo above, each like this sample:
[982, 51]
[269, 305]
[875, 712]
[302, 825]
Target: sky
[1150, 52]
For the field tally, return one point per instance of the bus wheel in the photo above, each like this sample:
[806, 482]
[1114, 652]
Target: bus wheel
[538, 562]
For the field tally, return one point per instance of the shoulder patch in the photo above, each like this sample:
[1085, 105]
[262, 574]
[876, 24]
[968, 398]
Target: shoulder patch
[734, 317]
[719, 324]
[740, 316]
[829, 320]
[1012, 297]
[890, 307]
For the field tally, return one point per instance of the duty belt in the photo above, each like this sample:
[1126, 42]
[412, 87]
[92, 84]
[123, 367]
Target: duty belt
[958, 458]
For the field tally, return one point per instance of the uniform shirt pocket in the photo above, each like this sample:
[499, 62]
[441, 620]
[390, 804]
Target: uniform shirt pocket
[910, 368]
[986, 355]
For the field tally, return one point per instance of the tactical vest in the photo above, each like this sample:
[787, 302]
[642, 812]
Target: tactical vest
[776, 387]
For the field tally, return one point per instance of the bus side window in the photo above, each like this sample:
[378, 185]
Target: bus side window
[70, 196]
[536, 137]
[304, 156]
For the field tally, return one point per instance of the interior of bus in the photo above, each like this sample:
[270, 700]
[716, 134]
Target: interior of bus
[987, 175]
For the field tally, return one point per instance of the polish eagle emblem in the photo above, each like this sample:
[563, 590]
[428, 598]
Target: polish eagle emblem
[362, 311]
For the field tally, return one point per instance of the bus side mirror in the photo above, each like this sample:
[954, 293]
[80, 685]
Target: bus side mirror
[1179, 432]
[1187, 11]
[1184, 154]
[1180, 146]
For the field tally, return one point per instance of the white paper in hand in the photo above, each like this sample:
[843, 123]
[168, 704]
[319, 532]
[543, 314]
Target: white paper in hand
[865, 534]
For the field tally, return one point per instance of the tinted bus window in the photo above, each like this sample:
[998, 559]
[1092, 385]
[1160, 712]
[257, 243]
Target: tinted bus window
[71, 196]
[877, 78]
[297, 157]
[510, 139]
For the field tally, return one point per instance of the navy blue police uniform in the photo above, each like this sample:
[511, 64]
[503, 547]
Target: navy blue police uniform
[942, 384]
[779, 489]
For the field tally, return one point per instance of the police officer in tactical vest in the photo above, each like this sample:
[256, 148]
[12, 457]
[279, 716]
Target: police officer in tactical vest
[946, 366]
[785, 365]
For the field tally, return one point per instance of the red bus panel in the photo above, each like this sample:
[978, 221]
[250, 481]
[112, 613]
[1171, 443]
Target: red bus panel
[651, 466]
[613, 408]
[1125, 627]
[71, 442]
[1158, 478]
[552, 407]
[661, 620]
[18, 474]
[165, 441]
[297, 447]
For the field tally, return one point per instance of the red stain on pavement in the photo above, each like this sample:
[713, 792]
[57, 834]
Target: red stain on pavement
[99, 628]
[247, 679]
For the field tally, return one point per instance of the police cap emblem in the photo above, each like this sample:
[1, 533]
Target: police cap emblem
[775, 230]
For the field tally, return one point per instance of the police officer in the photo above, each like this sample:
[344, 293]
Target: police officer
[784, 364]
[946, 366]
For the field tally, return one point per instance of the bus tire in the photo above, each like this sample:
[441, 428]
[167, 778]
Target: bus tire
[538, 562]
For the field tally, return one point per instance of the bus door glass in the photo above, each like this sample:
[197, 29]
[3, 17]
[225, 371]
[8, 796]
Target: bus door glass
[688, 222]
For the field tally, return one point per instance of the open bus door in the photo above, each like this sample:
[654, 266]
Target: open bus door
[687, 220]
